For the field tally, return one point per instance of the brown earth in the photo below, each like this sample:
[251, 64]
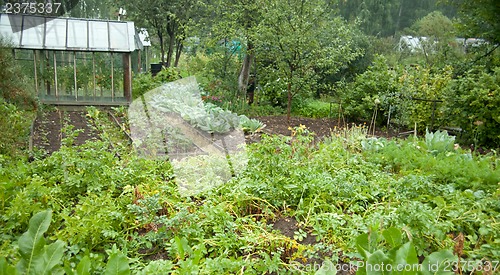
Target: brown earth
[48, 134]
[321, 127]
[279, 125]
[48, 129]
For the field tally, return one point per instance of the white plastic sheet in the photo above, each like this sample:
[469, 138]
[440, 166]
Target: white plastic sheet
[49, 33]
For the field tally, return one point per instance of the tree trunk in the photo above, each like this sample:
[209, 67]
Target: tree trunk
[178, 51]
[162, 47]
[171, 45]
[171, 42]
[399, 19]
[245, 70]
[289, 103]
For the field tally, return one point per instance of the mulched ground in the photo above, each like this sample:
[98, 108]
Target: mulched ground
[321, 127]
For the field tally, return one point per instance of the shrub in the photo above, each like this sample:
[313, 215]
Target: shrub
[402, 95]
[313, 108]
[473, 105]
[14, 128]
[11, 79]
[378, 87]
[143, 83]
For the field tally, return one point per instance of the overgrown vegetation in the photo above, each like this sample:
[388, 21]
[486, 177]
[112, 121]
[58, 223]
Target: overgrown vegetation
[16, 104]
[129, 211]
[350, 202]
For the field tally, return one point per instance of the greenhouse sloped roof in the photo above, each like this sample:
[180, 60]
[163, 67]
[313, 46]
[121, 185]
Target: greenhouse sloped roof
[70, 34]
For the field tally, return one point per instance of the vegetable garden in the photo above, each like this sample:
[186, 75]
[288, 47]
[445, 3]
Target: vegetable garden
[300, 206]
[372, 161]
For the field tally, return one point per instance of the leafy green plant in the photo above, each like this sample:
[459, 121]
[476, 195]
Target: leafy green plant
[121, 213]
[184, 100]
[12, 80]
[386, 253]
[117, 263]
[262, 109]
[36, 256]
[251, 125]
[314, 108]
[439, 141]
[473, 99]
[377, 88]
[167, 75]
[14, 128]
[399, 96]
[145, 82]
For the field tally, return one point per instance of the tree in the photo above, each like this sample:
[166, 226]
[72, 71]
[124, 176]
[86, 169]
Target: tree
[440, 34]
[169, 21]
[384, 18]
[300, 37]
[101, 9]
[479, 18]
[238, 20]
[435, 24]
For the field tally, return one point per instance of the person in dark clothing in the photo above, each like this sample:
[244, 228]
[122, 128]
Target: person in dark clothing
[251, 90]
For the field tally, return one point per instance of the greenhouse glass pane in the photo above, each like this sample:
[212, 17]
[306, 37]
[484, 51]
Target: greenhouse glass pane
[119, 36]
[32, 33]
[99, 36]
[77, 34]
[6, 26]
[55, 35]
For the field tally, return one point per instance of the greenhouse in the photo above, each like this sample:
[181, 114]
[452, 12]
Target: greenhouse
[74, 61]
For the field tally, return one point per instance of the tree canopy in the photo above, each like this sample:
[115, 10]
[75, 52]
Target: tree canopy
[479, 18]
[298, 37]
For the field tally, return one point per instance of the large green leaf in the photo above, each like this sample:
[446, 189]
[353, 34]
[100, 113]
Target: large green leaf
[363, 245]
[31, 243]
[439, 263]
[406, 260]
[392, 236]
[117, 265]
[83, 267]
[378, 263]
[51, 257]
[327, 268]
[6, 268]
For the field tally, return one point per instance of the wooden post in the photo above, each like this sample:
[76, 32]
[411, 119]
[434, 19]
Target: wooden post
[36, 75]
[47, 65]
[139, 61]
[74, 76]
[55, 76]
[127, 77]
[93, 73]
[112, 78]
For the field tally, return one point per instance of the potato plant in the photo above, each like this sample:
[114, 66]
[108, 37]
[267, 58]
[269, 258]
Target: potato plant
[349, 201]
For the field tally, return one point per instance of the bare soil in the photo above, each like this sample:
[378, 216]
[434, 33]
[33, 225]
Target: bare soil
[48, 133]
[48, 129]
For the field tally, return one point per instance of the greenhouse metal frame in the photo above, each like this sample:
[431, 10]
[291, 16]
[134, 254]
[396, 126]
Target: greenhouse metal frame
[74, 61]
